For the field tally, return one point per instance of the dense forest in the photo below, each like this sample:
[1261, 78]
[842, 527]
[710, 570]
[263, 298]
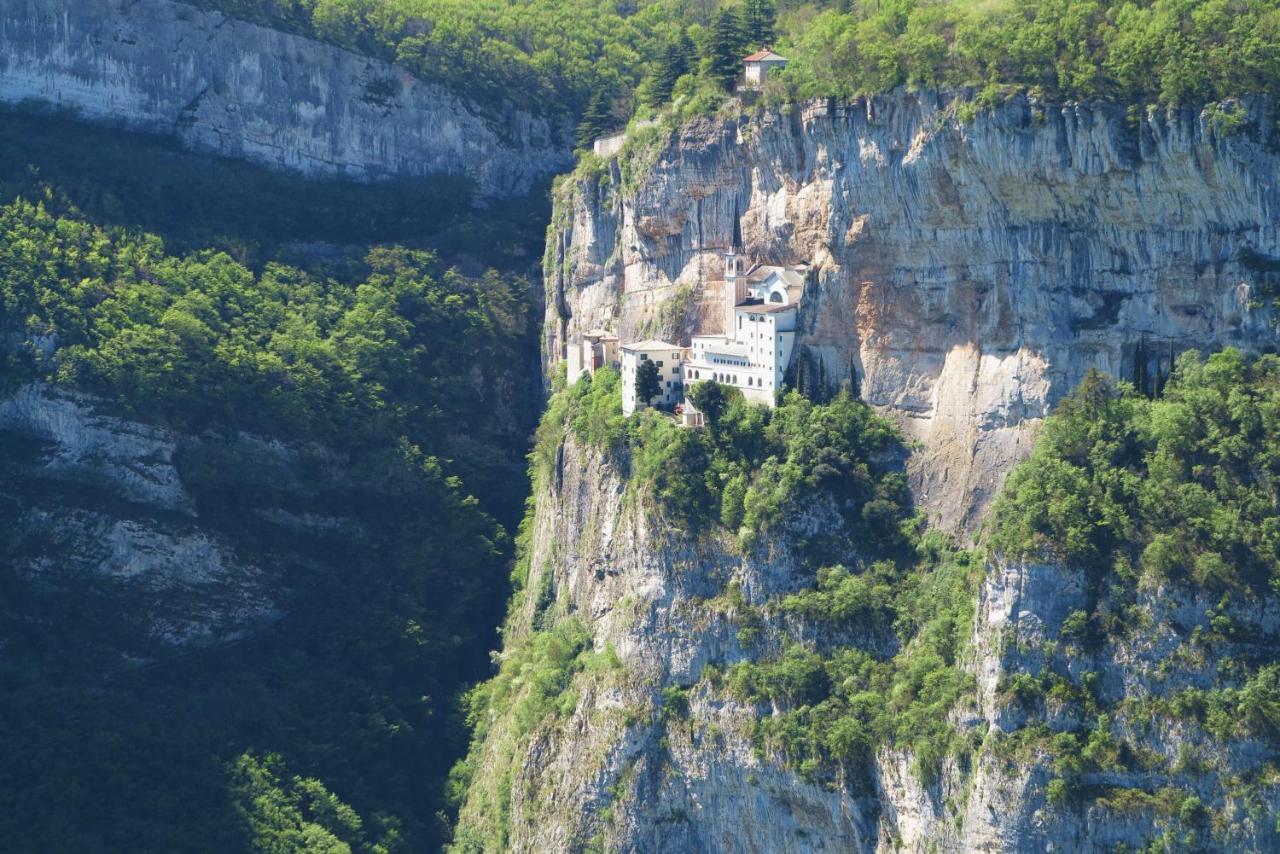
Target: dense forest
[602, 61]
[218, 300]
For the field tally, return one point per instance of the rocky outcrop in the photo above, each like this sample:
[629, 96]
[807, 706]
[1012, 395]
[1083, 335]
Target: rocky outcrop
[621, 767]
[232, 88]
[966, 274]
[190, 534]
[93, 499]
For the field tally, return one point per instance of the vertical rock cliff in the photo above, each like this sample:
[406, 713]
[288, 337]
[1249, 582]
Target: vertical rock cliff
[966, 275]
[232, 88]
[619, 723]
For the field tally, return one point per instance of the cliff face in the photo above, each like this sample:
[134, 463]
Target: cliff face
[618, 765]
[195, 533]
[967, 275]
[231, 88]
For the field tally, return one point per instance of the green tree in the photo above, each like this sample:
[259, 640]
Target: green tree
[673, 65]
[725, 49]
[648, 382]
[760, 16]
[597, 121]
[711, 399]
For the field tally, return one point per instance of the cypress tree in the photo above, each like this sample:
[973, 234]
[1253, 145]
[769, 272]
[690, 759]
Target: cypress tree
[673, 65]
[596, 121]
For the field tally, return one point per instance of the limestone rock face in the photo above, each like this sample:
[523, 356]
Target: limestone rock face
[232, 88]
[621, 770]
[966, 275]
[136, 513]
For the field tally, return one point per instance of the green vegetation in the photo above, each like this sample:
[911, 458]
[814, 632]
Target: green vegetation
[1185, 487]
[751, 465]
[202, 342]
[1167, 51]
[269, 305]
[840, 705]
[603, 62]
[291, 813]
[1176, 494]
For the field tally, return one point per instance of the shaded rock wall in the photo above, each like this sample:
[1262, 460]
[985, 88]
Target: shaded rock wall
[232, 88]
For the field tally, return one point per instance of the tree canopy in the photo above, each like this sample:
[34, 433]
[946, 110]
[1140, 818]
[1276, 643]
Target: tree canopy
[569, 57]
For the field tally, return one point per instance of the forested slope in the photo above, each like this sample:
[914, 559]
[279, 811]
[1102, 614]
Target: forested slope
[602, 61]
[252, 476]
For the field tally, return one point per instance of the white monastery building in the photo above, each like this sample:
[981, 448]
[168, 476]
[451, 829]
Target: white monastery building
[596, 349]
[760, 332]
[668, 358]
[757, 66]
[751, 355]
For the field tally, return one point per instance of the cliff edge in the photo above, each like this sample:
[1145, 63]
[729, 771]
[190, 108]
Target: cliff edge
[966, 274]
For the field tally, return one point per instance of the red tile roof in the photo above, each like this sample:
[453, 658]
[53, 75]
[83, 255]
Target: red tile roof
[762, 55]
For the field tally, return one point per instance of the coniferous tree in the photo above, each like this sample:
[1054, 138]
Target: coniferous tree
[673, 65]
[597, 121]
[760, 16]
[677, 61]
[724, 61]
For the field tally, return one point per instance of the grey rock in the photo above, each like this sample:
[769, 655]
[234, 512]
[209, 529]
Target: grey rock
[969, 275]
[227, 87]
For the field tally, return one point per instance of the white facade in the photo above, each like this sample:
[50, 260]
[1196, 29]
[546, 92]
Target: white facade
[669, 359]
[756, 67]
[760, 322]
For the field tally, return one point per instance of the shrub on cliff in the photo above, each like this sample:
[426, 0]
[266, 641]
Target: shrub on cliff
[752, 466]
[1184, 487]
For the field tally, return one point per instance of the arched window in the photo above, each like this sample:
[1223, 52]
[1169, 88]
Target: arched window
[776, 296]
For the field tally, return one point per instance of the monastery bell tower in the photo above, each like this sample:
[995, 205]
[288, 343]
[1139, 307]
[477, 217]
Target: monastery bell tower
[734, 291]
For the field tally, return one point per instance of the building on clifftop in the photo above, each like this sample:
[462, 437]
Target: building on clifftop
[755, 350]
[757, 66]
[668, 359]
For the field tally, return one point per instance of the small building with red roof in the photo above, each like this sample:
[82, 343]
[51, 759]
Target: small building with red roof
[759, 64]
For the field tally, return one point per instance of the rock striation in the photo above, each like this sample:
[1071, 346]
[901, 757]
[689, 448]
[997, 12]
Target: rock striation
[227, 87]
[619, 769]
[966, 274]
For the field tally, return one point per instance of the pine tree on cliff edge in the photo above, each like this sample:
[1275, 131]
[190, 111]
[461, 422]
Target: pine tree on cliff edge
[725, 55]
